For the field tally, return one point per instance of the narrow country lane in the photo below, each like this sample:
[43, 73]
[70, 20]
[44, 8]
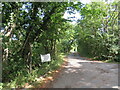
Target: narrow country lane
[80, 73]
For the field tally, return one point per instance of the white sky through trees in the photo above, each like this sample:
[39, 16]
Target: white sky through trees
[77, 14]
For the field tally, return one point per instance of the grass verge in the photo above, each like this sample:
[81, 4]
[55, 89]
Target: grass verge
[36, 77]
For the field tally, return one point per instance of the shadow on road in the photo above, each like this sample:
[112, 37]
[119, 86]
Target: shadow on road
[81, 73]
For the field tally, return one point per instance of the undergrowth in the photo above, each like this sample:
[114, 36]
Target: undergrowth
[30, 78]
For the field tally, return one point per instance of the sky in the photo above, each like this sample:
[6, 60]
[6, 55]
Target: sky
[77, 14]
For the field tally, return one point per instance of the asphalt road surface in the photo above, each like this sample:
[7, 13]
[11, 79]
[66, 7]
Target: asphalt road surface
[81, 73]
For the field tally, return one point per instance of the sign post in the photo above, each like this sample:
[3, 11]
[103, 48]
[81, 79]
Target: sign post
[45, 58]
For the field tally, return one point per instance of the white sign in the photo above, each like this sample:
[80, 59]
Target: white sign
[45, 58]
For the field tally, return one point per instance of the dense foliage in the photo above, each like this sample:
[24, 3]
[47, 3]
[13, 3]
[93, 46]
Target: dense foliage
[34, 28]
[31, 29]
[98, 33]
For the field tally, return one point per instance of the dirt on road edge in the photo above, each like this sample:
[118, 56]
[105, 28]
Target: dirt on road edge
[47, 83]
